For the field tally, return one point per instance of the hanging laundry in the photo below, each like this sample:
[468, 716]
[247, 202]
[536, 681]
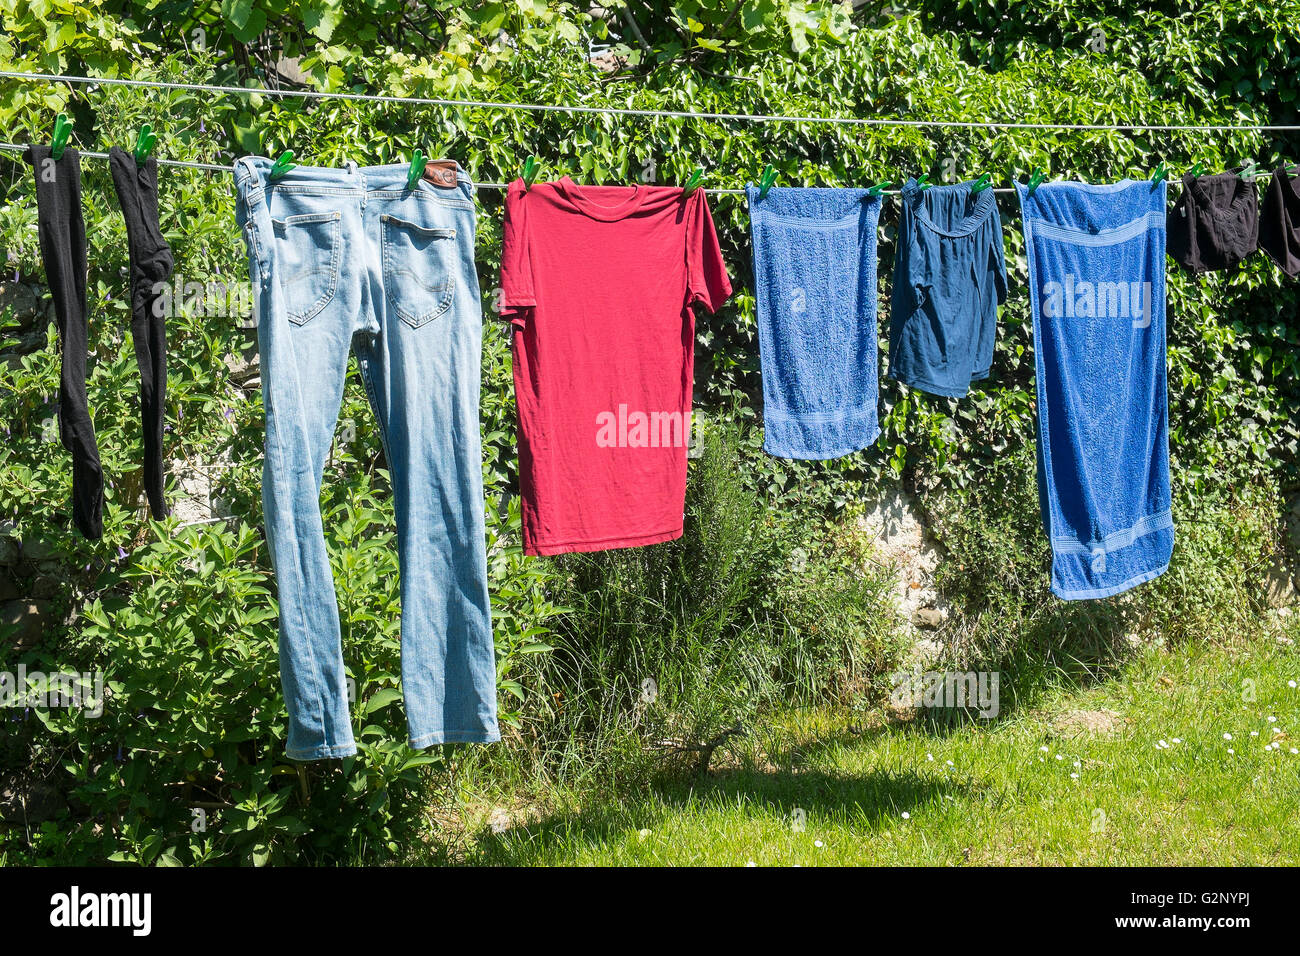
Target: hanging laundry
[1097, 297]
[62, 233]
[1279, 221]
[815, 281]
[1214, 224]
[599, 283]
[347, 260]
[950, 276]
[151, 263]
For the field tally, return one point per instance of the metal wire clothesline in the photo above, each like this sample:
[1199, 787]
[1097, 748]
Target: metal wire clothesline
[213, 167]
[629, 111]
[608, 110]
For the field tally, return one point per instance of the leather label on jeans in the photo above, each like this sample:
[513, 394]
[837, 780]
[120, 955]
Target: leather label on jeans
[441, 173]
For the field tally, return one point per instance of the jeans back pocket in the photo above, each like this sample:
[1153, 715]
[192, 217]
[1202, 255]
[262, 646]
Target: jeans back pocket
[307, 259]
[419, 278]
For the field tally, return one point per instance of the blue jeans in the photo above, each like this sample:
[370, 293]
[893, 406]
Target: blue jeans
[345, 260]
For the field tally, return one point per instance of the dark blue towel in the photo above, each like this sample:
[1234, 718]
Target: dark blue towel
[950, 276]
[815, 280]
[1097, 294]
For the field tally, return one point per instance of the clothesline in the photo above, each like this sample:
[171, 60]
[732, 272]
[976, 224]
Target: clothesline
[628, 111]
[213, 167]
[622, 111]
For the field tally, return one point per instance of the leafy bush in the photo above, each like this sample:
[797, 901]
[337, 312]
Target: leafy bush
[750, 609]
[764, 601]
[998, 560]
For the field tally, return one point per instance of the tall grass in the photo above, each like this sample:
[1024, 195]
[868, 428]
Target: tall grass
[749, 609]
[998, 564]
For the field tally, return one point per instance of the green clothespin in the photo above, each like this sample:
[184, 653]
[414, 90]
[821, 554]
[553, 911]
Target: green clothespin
[1159, 174]
[1198, 169]
[283, 163]
[1250, 172]
[530, 171]
[1036, 179]
[981, 183]
[62, 130]
[923, 181]
[418, 162]
[693, 183]
[144, 141]
[766, 180]
[879, 188]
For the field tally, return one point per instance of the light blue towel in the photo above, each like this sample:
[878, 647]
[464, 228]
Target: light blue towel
[815, 279]
[1097, 293]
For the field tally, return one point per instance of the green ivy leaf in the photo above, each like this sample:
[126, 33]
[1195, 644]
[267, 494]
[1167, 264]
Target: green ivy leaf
[321, 19]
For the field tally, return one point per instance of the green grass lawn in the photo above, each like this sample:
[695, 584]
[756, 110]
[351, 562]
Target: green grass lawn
[1164, 785]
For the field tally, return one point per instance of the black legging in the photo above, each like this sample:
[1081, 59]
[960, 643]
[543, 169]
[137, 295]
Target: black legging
[151, 263]
[63, 251]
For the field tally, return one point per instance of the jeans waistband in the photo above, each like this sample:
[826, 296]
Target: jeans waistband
[252, 175]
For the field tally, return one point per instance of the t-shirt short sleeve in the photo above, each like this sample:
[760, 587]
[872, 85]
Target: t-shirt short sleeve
[707, 279]
[517, 296]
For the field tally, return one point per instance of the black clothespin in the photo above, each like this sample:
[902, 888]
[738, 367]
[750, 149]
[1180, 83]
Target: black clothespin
[766, 181]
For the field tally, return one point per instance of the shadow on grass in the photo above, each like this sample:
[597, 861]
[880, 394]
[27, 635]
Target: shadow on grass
[870, 802]
[1071, 645]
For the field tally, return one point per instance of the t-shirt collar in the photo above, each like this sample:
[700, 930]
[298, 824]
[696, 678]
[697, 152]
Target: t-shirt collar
[627, 199]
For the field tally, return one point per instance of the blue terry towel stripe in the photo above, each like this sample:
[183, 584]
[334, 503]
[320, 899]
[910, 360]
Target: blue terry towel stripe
[815, 282]
[1097, 297]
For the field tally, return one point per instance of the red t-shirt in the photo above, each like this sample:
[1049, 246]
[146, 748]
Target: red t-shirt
[598, 282]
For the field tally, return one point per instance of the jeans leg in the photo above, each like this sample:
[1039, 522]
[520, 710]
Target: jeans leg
[422, 373]
[305, 298]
